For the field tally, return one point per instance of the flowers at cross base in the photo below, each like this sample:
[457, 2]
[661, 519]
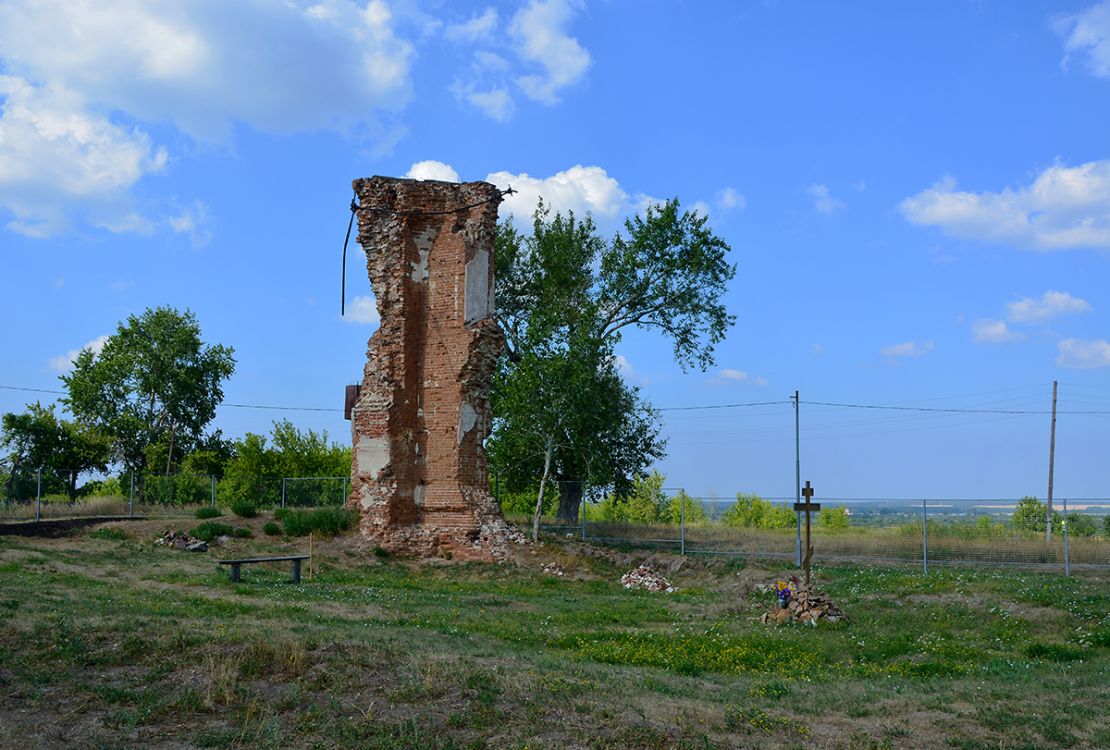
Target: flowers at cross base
[785, 590]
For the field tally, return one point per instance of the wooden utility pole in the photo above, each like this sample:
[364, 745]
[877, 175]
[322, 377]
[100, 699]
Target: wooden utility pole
[1051, 463]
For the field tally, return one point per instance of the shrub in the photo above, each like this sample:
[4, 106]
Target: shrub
[381, 552]
[272, 528]
[206, 512]
[835, 518]
[753, 512]
[695, 511]
[244, 509]
[1029, 515]
[209, 530]
[1081, 525]
[320, 521]
[243, 533]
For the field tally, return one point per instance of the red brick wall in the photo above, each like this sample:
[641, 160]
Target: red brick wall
[418, 475]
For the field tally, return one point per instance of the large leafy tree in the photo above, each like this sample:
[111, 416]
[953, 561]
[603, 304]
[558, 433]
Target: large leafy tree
[153, 389]
[564, 297]
[38, 439]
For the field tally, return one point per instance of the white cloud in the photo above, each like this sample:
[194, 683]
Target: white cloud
[993, 332]
[699, 207]
[1087, 34]
[1078, 354]
[907, 349]
[1051, 304]
[628, 372]
[193, 222]
[274, 66]
[432, 170]
[363, 309]
[823, 200]
[736, 376]
[539, 32]
[817, 349]
[54, 155]
[495, 102]
[81, 76]
[477, 28]
[730, 198]
[64, 362]
[1063, 208]
[577, 189]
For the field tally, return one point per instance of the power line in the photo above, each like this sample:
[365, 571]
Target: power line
[719, 406]
[947, 411]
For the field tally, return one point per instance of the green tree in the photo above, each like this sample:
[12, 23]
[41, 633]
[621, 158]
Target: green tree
[152, 389]
[672, 511]
[1029, 515]
[37, 439]
[1081, 525]
[565, 293]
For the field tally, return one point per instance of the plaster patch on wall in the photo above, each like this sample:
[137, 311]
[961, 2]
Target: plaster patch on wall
[477, 304]
[423, 241]
[467, 419]
[372, 455]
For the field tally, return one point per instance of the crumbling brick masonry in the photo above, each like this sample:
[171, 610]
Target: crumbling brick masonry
[418, 474]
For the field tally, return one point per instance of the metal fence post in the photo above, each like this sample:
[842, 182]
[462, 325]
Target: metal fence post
[344, 498]
[131, 497]
[38, 494]
[283, 492]
[1067, 559]
[682, 503]
[213, 478]
[925, 536]
[582, 507]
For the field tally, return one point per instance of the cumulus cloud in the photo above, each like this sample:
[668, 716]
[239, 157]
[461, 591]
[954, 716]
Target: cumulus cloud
[192, 221]
[823, 201]
[907, 349]
[432, 170]
[1050, 305]
[727, 375]
[1063, 208]
[477, 28]
[730, 198]
[1078, 354]
[628, 372]
[81, 78]
[54, 154]
[538, 38]
[363, 309]
[64, 362]
[1087, 35]
[993, 332]
[539, 30]
[577, 189]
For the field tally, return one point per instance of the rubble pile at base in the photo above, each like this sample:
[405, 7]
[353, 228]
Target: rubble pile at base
[180, 540]
[804, 605]
[554, 569]
[645, 578]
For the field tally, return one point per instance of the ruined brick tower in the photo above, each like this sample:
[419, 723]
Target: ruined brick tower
[418, 474]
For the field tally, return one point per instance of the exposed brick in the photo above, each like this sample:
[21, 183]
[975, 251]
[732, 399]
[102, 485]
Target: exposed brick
[419, 477]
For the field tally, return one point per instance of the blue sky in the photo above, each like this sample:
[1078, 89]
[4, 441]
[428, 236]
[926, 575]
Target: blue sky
[917, 196]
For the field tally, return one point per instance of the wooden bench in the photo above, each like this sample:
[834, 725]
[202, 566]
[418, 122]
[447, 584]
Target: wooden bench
[295, 559]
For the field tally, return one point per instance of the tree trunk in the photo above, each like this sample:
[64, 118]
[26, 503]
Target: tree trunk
[71, 486]
[543, 485]
[169, 453]
[570, 499]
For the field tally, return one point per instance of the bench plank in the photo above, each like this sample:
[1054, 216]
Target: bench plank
[295, 559]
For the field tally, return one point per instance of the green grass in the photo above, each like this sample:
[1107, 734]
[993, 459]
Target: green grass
[131, 642]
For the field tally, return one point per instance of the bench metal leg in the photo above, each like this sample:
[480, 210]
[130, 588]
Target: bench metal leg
[235, 572]
[296, 571]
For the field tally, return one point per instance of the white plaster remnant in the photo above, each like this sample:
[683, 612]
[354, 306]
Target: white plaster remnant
[477, 302]
[418, 495]
[423, 241]
[467, 419]
[372, 455]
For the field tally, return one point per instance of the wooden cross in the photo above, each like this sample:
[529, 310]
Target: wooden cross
[807, 506]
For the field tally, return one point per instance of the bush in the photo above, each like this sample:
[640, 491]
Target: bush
[272, 528]
[206, 512]
[836, 518]
[1029, 515]
[244, 509]
[117, 535]
[329, 521]
[1081, 525]
[209, 530]
[753, 512]
[243, 533]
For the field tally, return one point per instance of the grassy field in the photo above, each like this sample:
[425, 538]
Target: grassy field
[109, 641]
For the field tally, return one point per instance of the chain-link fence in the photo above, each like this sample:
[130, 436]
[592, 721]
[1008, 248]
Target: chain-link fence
[922, 532]
[42, 494]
